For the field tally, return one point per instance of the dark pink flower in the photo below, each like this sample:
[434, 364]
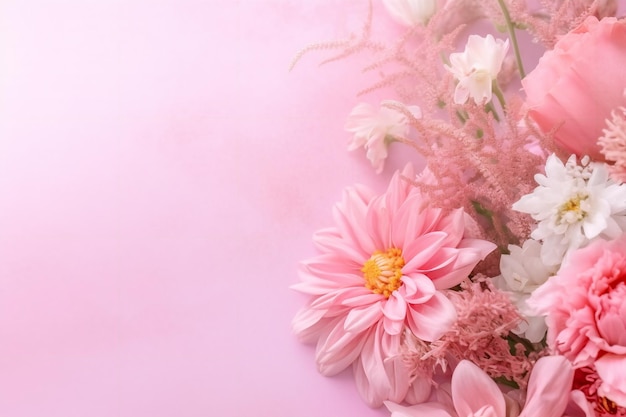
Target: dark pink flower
[380, 271]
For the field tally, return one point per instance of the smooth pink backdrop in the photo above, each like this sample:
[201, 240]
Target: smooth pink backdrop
[161, 174]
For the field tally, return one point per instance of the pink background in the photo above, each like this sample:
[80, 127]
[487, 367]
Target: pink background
[161, 174]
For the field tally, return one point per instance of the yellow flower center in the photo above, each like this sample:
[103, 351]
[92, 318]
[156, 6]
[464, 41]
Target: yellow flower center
[573, 210]
[383, 271]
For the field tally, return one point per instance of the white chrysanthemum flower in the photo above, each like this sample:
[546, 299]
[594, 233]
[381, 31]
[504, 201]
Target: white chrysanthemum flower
[374, 129]
[411, 12]
[573, 205]
[477, 67]
[522, 272]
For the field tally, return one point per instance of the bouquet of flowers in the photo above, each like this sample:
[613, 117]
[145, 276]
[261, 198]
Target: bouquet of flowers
[493, 282]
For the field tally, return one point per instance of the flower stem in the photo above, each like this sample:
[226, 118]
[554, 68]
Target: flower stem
[498, 93]
[489, 107]
[511, 29]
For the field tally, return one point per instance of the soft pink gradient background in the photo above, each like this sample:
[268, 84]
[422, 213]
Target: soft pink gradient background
[161, 174]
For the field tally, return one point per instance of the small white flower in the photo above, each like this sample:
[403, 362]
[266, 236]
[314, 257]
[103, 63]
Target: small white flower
[374, 129]
[477, 67]
[522, 273]
[573, 205]
[411, 12]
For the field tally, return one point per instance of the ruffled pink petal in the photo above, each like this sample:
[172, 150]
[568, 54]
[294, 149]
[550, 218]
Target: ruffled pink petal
[405, 223]
[417, 288]
[422, 249]
[395, 307]
[350, 217]
[341, 247]
[337, 349]
[305, 318]
[454, 227]
[369, 371]
[421, 410]
[399, 188]
[430, 320]
[419, 391]
[366, 298]
[470, 253]
[362, 318]
[320, 283]
[611, 369]
[472, 390]
[399, 378]
[549, 387]
[377, 224]
[307, 329]
[334, 298]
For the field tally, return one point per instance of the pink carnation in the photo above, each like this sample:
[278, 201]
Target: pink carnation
[586, 313]
[576, 86]
[380, 271]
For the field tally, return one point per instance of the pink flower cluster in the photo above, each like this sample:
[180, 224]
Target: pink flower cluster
[586, 313]
[493, 283]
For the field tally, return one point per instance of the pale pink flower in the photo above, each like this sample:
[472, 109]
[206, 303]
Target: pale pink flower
[567, 92]
[411, 12]
[474, 394]
[586, 313]
[477, 67]
[374, 129]
[381, 270]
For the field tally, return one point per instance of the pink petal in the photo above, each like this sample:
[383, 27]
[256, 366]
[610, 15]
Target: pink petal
[360, 319]
[418, 252]
[472, 390]
[430, 320]
[395, 307]
[366, 298]
[421, 410]
[377, 224]
[399, 378]
[417, 288]
[337, 349]
[306, 318]
[406, 223]
[610, 369]
[419, 391]
[369, 372]
[549, 387]
[334, 298]
[309, 331]
[341, 247]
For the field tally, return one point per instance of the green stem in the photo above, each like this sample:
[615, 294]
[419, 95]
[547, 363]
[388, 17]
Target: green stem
[489, 107]
[498, 93]
[511, 29]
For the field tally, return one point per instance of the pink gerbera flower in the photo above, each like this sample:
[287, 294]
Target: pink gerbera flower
[380, 271]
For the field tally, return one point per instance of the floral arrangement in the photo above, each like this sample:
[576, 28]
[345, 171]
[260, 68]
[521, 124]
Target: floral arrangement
[493, 282]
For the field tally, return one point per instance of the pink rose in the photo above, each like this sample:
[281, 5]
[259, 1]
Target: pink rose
[586, 314]
[577, 85]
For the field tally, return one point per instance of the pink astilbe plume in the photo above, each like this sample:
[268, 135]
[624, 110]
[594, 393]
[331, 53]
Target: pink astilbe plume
[485, 317]
[613, 144]
[555, 18]
[496, 171]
